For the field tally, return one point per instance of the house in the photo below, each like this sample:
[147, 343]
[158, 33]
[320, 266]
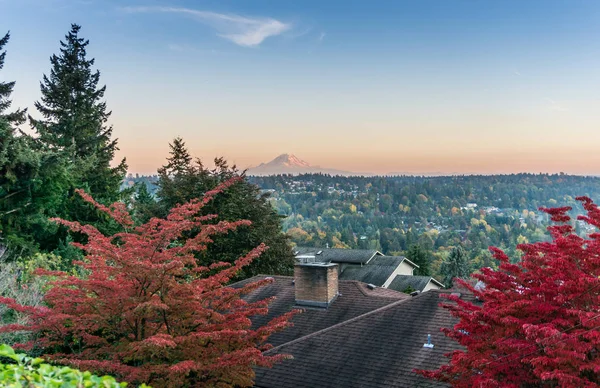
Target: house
[351, 334]
[353, 299]
[379, 271]
[367, 266]
[417, 283]
[351, 260]
[336, 255]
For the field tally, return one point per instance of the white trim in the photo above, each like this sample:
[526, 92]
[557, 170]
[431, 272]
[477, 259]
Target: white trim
[377, 253]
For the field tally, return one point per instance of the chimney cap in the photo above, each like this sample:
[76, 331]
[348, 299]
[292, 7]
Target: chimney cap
[317, 264]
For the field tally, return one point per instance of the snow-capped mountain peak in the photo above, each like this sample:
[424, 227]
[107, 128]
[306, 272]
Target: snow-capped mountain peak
[287, 160]
[291, 164]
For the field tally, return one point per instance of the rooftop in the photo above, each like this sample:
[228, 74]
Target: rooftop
[418, 283]
[338, 255]
[376, 272]
[380, 348]
[355, 299]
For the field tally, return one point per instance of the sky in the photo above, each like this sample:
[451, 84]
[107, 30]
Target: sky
[424, 86]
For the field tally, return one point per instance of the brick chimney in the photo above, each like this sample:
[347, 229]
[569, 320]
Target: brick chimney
[316, 284]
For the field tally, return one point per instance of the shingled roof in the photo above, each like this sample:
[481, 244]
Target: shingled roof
[354, 300]
[418, 283]
[338, 255]
[376, 272]
[378, 349]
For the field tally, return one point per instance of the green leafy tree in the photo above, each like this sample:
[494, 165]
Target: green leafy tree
[420, 257]
[182, 179]
[455, 266]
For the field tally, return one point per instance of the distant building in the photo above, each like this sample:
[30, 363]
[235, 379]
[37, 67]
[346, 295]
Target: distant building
[417, 283]
[368, 266]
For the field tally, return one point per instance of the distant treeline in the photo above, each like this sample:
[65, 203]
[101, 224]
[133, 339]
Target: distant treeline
[436, 213]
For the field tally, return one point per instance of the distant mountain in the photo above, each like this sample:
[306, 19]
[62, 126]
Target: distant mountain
[291, 164]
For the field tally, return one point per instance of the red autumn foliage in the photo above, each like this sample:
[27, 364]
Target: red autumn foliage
[146, 312]
[539, 323]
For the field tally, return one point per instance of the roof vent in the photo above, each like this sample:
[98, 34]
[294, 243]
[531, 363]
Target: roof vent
[415, 293]
[318, 253]
[371, 286]
[428, 344]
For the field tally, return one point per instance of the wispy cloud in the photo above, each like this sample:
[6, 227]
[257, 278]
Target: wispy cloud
[517, 73]
[241, 30]
[321, 37]
[555, 106]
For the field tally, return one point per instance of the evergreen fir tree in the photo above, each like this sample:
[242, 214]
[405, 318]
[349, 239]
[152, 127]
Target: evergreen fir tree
[181, 180]
[32, 185]
[455, 266]
[144, 204]
[75, 118]
[180, 161]
[17, 117]
[32, 179]
[420, 257]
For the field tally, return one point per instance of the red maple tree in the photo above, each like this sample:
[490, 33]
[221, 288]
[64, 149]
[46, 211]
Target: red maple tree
[146, 312]
[537, 323]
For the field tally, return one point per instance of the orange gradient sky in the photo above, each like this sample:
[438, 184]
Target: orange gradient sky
[417, 87]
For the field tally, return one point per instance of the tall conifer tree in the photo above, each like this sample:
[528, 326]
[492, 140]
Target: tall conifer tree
[31, 179]
[420, 257]
[455, 266]
[6, 88]
[183, 179]
[75, 118]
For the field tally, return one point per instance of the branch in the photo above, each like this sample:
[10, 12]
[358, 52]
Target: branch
[11, 194]
[16, 210]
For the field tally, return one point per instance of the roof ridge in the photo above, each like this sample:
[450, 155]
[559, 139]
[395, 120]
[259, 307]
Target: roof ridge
[258, 277]
[362, 285]
[316, 333]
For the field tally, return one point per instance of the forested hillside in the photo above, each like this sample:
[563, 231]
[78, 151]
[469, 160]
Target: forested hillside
[435, 213]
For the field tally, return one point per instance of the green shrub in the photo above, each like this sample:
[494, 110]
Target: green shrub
[18, 282]
[20, 371]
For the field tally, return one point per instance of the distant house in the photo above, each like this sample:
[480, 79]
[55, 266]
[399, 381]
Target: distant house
[417, 283]
[336, 255]
[470, 206]
[379, 271]
[351, 334]
[368, 266]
